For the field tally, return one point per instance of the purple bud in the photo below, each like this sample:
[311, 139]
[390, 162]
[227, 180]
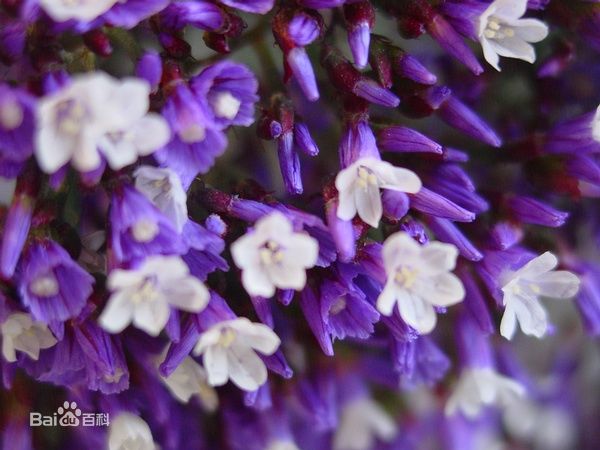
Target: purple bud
[588, 301]
[416, 230]
[451, 41]
[289, 164]
[584, 168]
[505, 234]
[454, 155]
[405, 140]
[446, 231]
[529, 210]
[200, 14]
[149, 67]
[342, 232]
[359, 39]
[14, 233]
[358, 141]
[461, 117]
[573, 136]
[408, 66]
[302, 69]
[304, 141]
[429, 202]
[303, 29]
[474, 349]
[475, 302]
[374, 93]
[321, 4]
[395, 204]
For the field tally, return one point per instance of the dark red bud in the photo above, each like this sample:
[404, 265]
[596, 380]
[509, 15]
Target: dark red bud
[98, 42]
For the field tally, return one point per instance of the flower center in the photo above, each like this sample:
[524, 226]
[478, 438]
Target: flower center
[11, 114]
[497, 30]
[69, 116]
[227, 337]
[44, 286]
[271, 253]
[338, 306]
[146, 293]
[144, 230]
[192, 133]
[406, 277]
[225, 105]
[366, 178]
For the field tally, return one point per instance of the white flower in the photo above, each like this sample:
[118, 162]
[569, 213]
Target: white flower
[502, 32]
[479, 387]
[97, 114]
[163, 187]
[418, 278]
[144, 295]
[522, 290]
[362, 421]
[128, 431]
[188, 379]
[359, 184]
[229, 352]
[84, 10]
[20, 332]
[273, 256]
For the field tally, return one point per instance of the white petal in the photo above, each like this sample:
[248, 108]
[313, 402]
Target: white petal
[256, 335]
[537, 266]
[346, 209]
[8, 349]
[188, 294]
[287, 277]
[395, 178]
[344, 180]
[151, 133]
[118, 312]
[490, 54]
[437, 257]
[86, 158]
[151, 316]
[416, 312]
[514, 47]
[119, 153]
[207, 339]
[272, 226]
[531, 315]
[509, 9]
[52, 149]
[216, 366]
[257, 282]
[387, 299]
[368, 204]
[245, 251]
[508, 325]
[557, 284]
[121, 279]
[246, 369]
[301, 250]
[167, 269]
[444, 289]
[531, 30]
[399, 249]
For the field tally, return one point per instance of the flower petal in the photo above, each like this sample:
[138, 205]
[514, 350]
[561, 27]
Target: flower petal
[557, 284]
[215, 363]
[246, 369]
[118, 312]
[416, 312]
[368, 204]
[437, 257]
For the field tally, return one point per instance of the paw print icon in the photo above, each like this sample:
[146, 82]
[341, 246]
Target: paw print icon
[69, 414]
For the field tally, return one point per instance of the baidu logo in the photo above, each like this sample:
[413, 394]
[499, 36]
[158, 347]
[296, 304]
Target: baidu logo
[68, 415]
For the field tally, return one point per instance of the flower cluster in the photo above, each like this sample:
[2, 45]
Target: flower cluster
[378, 277]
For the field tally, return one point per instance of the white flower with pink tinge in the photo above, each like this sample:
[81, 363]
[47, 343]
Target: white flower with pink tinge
[358, 186]
[84, 10]
[522, 291]
[128, 431]
[502, 32]
[97, 116]
[145, 295]
[418, 279]
[480, 387]
[20, 332]
[273, 255]
[229, 352]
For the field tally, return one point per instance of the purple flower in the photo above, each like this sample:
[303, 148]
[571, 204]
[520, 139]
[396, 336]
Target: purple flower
[139, 229]
[16, 129]
[52, 286]
[251, 6]
[204, 15]
[227, 92]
